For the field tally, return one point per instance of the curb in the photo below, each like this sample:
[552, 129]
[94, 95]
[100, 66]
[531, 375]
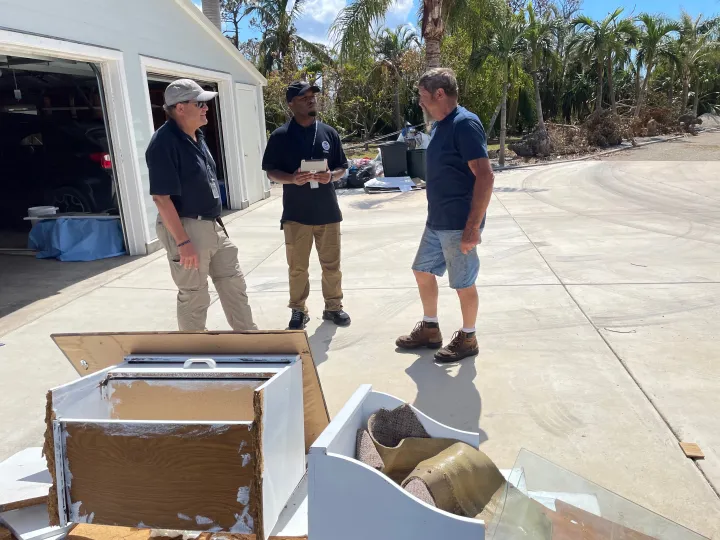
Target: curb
[596, 154]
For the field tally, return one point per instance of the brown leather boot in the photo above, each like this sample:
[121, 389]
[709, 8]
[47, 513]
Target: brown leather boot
[423, 335]
[461, 346]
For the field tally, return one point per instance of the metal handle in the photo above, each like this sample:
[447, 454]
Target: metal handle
[209, 362]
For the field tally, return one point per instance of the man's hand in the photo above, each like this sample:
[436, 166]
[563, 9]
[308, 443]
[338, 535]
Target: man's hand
[470, 239]
[301, 178]
[324, 177]
[189, 257]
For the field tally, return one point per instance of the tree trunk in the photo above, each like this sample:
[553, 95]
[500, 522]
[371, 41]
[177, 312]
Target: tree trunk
[696, 98]
[644, 89]
[611, 84]
[396, 106]
[503, 125]
[512, 109]
[672, 84]
[638, 90]
[432, 53]
[538, 103]
[491, 125]
[211, 9]
[686, 93]
[598, 98]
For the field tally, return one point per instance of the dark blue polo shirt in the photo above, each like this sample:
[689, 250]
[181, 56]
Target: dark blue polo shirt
[287, 147]
[185, 170]
[456, 139]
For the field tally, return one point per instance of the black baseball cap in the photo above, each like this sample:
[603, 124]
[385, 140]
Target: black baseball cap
[299, 88]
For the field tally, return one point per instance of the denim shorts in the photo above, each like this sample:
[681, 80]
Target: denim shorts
[440, 250]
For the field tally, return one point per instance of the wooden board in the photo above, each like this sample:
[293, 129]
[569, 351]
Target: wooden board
[24, 480]
[89, 353]
[98, 532]
[161, 475]
[572, 523]
[692, 450]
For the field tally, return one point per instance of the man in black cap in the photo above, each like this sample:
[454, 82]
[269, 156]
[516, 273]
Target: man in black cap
[184, 186]
[310, 206]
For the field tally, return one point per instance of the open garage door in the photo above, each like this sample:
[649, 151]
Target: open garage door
[55, 148]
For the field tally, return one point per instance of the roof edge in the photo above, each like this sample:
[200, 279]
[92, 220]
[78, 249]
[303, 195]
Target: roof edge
[211, 29]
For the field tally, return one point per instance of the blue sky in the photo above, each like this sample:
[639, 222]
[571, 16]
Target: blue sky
[319, 14]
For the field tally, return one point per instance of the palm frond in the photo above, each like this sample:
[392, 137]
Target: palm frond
[352, 27]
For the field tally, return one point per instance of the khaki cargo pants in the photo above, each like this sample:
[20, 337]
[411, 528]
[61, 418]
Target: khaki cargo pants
[218, 258]
[298, 244]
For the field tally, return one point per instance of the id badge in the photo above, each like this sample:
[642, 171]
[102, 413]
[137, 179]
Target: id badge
[214, 187]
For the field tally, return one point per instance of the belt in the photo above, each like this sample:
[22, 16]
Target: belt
[216, 219]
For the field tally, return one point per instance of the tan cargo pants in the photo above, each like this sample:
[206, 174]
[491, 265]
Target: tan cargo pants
[218, 258]
[298, 244]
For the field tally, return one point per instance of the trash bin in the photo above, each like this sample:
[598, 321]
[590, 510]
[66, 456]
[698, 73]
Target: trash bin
[394, 158]
[416, 163]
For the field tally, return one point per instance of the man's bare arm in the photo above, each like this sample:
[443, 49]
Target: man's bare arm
[482, 193]
[171, 221]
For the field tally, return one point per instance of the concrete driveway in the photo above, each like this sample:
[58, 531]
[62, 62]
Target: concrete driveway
[599, 292]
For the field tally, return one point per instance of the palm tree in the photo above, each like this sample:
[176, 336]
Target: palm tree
[539, 39]
[654, 43]
[211, 9]
[694, 45]
[352, 28]
[591, 44]
[390, 47]
[623, 36]
[277, 19]
[506, 45]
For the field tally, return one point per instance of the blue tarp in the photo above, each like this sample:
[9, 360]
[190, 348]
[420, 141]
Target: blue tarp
[77, 239]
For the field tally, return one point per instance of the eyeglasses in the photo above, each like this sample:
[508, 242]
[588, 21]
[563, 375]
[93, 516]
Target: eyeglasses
[198, 104]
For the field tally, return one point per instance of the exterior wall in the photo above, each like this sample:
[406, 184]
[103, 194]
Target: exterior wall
[161, 29]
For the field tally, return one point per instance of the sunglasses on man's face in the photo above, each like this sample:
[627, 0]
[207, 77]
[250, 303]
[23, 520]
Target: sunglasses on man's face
[198, 104]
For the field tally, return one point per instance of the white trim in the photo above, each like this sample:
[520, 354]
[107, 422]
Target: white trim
[112, 68]
[263, 139]
[218, 36]
[231, 137]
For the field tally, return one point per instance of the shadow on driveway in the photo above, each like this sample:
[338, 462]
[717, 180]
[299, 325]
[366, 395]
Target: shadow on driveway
[452, 400]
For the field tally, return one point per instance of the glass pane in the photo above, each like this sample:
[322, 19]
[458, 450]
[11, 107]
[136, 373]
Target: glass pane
[543, 501]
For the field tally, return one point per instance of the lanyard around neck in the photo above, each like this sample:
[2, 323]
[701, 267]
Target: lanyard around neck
[312, 148]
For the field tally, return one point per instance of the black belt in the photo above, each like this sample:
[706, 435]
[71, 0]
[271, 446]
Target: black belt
[216, 219]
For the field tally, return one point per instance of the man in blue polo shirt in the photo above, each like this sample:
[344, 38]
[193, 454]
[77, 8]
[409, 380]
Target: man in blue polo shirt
[184, 186]
[459, 188]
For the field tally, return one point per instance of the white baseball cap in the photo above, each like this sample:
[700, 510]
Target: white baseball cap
[186, 90]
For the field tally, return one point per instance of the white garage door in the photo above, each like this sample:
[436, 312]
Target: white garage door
[249, 126]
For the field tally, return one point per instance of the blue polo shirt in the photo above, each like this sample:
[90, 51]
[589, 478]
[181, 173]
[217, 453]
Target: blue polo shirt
[456, 139]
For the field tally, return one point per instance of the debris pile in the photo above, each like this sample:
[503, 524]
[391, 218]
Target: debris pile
[604, 128]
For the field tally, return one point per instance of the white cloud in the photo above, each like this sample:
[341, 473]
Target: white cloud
[401, 8]
[324, 11]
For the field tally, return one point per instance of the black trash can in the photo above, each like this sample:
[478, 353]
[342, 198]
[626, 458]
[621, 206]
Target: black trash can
[394, 158]
[416, 163]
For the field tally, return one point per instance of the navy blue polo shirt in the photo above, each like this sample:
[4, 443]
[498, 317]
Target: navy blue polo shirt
[289, 145]
[456, 139]
[185, 170]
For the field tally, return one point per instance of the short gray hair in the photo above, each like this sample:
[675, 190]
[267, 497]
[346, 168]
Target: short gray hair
[440, 78]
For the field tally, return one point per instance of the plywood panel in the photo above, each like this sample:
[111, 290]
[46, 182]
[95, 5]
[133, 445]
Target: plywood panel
[169, 476]
[173, 399]
[95, 532]
[92, 352]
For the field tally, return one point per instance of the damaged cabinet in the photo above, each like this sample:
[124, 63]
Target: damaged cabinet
[212, 442]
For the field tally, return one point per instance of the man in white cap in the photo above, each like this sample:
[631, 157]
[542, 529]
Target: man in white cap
[184, 186]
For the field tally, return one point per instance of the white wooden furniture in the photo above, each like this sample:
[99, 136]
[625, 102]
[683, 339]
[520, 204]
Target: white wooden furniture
[349, 500]
[161, 439]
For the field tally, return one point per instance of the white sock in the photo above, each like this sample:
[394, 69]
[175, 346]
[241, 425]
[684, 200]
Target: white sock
[430, 319]
[469, 330]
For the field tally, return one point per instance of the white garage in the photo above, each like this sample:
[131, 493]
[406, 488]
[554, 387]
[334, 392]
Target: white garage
[123, 53]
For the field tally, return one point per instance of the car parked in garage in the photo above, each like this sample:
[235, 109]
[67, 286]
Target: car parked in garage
[53, 161]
